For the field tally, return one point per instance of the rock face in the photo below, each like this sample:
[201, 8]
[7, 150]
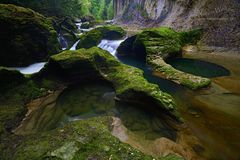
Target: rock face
[219, 19]
[26, 36]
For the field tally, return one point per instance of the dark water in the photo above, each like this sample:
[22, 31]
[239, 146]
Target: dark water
[198, 67]
[164, 84]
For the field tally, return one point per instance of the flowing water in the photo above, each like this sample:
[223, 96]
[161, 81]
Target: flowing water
[110, 45]
[33, 68]
[74, 46]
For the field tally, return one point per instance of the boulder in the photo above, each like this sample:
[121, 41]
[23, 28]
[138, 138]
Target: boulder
[26, 36]
[9, 78]
[128, 82]
[94, 37]
[82, 139]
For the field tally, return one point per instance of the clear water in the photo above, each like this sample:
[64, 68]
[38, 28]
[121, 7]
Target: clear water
[84, 101]
[198, 67]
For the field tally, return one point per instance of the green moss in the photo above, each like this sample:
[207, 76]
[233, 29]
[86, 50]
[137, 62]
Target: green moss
[94, 37]
[26, 36]
[87, 25]
[189, 80]
[112, 32]
[90, 39]
[78, 140]
[157, 45]
[191, 37]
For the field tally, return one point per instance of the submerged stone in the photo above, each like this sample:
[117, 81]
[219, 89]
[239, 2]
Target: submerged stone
[26, 36]
[159, 44]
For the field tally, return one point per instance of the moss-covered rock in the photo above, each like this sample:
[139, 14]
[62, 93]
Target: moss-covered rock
[80, 140]
[159, 44]
[95, 63]
[86, 25]
[94, 37]
[9, 78]
[26, 36]
[69, 30]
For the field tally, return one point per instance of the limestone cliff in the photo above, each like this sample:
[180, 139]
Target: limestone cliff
[219, 18]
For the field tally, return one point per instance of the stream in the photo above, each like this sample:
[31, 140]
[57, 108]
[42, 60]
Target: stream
[212, 114]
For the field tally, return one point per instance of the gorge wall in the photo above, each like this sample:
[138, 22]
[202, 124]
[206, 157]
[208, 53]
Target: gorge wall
[220, 19]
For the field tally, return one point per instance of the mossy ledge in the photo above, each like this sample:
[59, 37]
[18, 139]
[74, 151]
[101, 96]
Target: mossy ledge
[159, 44]
[128, 81]
[26, 36]
[80, 140]
[94, 37]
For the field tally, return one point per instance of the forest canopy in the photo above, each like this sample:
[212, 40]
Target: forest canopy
[100, 9]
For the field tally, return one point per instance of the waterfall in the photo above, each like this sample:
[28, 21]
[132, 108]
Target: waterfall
[79, 25]
[33, 68]
[74, 46]
[63, 42]
[110, 45]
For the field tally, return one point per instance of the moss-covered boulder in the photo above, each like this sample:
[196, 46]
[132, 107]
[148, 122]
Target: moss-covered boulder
[79, 140]
[26, 36]
[159, 44]
[129, 83]
[87, 139]
[9, 78]
[86, 25]
[94, 37]
[69, 30]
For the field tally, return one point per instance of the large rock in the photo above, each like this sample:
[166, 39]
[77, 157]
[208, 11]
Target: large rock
[157, 45]
[9, 79]
[94, 37]
[129, 83]
[82, 139]
[26, 36]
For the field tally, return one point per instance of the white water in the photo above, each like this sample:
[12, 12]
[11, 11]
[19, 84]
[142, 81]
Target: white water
[110, 45]
[79, 25]
[33, 68]
[74, 46]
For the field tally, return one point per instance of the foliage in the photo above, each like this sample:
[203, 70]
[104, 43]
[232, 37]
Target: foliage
[100, 9]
